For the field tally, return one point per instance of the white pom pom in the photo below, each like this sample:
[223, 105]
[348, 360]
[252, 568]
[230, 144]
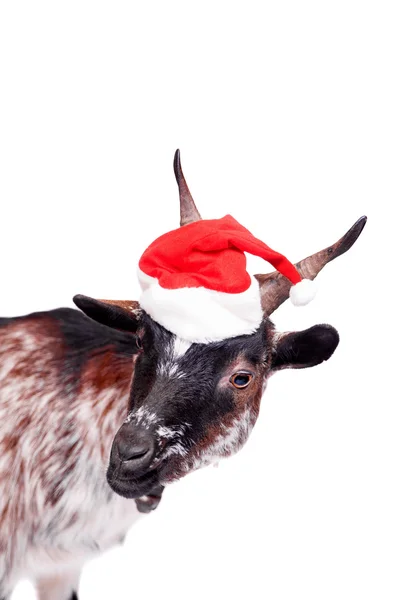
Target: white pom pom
[303, 292]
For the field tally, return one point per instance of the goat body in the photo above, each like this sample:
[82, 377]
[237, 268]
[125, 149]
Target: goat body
[85, 446]
[64, 386]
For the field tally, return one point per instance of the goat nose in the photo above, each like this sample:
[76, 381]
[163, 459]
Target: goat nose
[129, 451]
[135, 446]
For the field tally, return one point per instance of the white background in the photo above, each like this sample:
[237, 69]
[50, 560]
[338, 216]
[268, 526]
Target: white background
[287, 116]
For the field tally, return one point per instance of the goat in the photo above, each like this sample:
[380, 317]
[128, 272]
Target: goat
[103, 407]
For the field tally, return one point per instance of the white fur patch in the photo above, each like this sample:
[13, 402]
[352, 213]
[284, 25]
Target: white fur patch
[142, 417]
[229, 441]
[169, 363]
[174, 434]
[201, 315]
[181, 347]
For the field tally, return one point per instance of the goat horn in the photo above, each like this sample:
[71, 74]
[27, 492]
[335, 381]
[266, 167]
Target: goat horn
[189, 212]
[274, 287]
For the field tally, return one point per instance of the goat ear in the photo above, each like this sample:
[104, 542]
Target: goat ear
[118, 314]
[301, 349]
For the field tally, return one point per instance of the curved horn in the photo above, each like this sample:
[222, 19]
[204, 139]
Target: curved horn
[189, 212]
[274, 287]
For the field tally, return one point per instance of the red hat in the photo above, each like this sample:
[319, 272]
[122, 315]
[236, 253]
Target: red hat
[195, 284]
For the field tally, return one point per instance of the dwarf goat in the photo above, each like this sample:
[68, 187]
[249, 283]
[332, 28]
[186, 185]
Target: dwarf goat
[99, 411]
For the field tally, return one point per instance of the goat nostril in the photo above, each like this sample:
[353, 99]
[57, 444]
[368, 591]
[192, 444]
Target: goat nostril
[133, 451]
[134, 447]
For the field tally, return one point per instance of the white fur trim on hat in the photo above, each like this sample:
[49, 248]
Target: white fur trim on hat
[303, 292]
[201, 315]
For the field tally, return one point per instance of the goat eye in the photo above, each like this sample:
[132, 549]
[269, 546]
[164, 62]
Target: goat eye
[139, 344]
[241, 380]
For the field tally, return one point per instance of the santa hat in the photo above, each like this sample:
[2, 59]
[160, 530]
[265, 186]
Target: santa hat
[195, 284]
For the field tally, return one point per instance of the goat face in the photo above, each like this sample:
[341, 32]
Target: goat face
[194, 404]
[190, 405]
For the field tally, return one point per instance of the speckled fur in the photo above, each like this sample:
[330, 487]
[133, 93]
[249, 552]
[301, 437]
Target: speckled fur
[56, 428]
[71, 387]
